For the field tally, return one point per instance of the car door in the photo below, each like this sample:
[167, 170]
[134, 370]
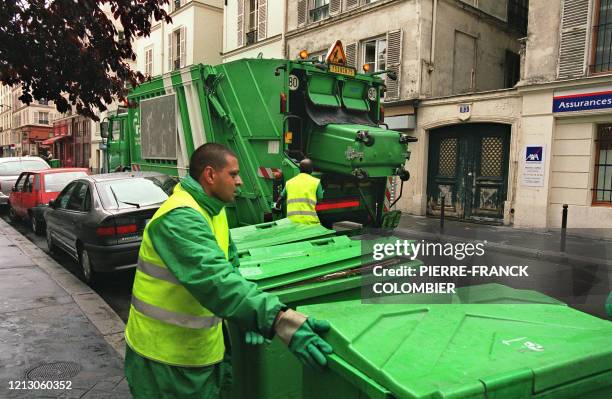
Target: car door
[57, 221]
[76, 216]
[28, 196]
[15, 197]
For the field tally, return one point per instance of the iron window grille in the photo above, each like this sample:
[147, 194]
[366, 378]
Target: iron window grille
[602, 191]
[602, 38]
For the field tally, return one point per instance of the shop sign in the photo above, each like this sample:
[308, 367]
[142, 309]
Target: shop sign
[533, 166]
[582, 100]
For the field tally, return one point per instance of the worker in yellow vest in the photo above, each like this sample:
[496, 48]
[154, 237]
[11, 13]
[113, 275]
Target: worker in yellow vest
[187, 282]
[302, 193]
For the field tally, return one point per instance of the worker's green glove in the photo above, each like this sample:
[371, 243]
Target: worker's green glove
[301, 334]
[253, 338]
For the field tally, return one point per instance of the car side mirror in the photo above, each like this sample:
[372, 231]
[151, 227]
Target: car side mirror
[104, 129]
[52, 204]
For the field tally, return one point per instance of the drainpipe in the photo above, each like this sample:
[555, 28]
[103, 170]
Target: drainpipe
[284, 41]
[432, 53]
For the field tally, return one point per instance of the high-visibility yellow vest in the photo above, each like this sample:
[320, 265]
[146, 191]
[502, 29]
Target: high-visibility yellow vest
[166, 323]
[302, 199]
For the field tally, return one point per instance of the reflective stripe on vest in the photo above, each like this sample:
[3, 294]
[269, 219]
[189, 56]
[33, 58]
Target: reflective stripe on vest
[166, 323]
[302, 199]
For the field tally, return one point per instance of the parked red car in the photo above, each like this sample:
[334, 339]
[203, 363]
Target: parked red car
[33, 190]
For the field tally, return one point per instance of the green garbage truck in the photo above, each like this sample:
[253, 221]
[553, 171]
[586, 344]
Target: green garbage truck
[272, 113]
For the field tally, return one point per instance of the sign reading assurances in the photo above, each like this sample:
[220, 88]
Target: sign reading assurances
[582, 99]
[533, 166]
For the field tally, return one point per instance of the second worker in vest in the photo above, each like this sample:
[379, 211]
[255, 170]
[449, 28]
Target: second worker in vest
[187, 283]
[302, 193]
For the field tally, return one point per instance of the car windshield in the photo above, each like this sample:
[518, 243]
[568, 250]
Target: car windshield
[13, 168]
[55, 182]
[135, 191]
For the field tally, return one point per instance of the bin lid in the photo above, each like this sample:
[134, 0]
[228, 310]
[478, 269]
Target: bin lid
[280, 231]
[468, 350]
[296, 262]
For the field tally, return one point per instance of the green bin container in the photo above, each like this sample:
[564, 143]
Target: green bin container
[280, 231]
[519, 345]
[323, 270]
[54, 163]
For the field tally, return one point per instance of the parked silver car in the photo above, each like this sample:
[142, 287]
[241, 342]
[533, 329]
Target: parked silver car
[11, 168]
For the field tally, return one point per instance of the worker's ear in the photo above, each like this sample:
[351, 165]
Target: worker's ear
[208, 176]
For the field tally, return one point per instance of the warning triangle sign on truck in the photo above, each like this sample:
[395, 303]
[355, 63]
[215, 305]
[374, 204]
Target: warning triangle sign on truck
[335, 54]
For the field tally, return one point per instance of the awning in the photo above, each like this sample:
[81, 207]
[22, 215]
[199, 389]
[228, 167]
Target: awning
[52, 140]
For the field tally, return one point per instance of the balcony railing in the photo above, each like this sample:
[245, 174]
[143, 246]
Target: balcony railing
[251, 37]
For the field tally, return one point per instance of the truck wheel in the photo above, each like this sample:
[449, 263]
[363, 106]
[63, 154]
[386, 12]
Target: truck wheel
[89, 274]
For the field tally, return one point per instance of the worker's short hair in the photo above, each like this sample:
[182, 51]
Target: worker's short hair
[306, 166]
[209, 154]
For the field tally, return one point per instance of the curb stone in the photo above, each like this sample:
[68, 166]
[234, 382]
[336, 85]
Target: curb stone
[99, 313]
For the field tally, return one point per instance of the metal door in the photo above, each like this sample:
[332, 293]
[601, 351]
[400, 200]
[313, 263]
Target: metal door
[468, 167]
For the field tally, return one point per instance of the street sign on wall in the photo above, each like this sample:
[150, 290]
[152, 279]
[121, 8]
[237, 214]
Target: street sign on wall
[533, 165]
[582, 99]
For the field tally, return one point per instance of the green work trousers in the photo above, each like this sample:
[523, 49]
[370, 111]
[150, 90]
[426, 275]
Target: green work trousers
[152, 380]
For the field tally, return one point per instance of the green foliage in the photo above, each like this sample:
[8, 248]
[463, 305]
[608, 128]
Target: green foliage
[70, 51]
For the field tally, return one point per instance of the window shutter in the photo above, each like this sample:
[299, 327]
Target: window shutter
[572, 50]
[240, 21]
[351, 4]
[302, 12]
[183, 42]
[335, 6]
[351, 54]
[394, 61]
[170, 52]
[262, 17]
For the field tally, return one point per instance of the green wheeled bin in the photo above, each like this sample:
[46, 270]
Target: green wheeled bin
[522, 345]
[322, 270]
[54, 163]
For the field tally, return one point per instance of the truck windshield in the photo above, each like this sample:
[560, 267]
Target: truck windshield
[143, 191]
[322, 116]
[55, 182]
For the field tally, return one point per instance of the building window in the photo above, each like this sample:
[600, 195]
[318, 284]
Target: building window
[43, 118]
[602, 38]
[177, 50]
[251, 27]
[518, 11]
[149, 61]
[602, 193]
[374, 53]
[319, 10]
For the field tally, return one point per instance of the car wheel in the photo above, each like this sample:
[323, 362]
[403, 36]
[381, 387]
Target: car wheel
[88, 273]
[37, 225]
[50, 246]
[12, 215]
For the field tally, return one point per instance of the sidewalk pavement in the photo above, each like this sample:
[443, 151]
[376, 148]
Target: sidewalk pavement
[53, 328]
[583, 247]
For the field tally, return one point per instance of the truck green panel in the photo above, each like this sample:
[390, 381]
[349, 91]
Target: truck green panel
[249, 105]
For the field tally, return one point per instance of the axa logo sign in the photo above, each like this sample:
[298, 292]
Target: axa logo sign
[534, 154]
[582, 100]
